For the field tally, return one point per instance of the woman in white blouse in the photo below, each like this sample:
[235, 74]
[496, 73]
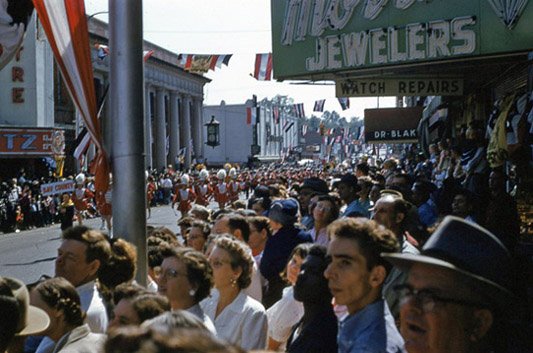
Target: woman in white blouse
[286, 312]
[238, 318]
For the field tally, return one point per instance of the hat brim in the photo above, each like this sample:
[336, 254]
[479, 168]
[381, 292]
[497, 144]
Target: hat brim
[38, 321]
[493, 291]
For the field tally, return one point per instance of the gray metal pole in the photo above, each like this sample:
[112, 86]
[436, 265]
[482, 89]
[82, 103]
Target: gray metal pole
[127, 113]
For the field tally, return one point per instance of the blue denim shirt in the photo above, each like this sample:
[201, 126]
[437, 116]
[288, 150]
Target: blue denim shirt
[371, 330]
[357, 206]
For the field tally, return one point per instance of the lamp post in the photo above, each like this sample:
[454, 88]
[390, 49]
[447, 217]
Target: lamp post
[213, 132]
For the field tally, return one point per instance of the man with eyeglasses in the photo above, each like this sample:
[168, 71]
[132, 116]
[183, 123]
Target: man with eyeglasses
[355, 275]
[457, 296]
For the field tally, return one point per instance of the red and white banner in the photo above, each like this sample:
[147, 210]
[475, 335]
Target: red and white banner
[147, 54]
[251, 116]
[218, 60]
[263, 67]
[12, 31]
[65, 25]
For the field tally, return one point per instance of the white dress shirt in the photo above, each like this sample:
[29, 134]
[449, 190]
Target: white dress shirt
[93, 305]
[243, 322]
[197, 311]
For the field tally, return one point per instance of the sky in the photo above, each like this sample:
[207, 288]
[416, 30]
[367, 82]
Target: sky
[238, 27]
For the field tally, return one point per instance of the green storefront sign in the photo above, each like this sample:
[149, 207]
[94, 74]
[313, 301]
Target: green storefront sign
[318, 37]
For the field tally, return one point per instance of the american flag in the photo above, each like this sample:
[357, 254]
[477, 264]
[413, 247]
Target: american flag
[319, 105]
[345, 103]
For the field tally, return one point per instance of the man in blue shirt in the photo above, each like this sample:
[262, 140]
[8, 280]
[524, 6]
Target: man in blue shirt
[349, 189]
[355, 278]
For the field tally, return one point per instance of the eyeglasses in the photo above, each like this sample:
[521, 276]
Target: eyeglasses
[426, 298]
[321, 207]
[170, 273]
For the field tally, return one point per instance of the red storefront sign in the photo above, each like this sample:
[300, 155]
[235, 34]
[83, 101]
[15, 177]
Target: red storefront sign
[31, 142]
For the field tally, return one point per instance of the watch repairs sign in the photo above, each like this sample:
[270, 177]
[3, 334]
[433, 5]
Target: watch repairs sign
[399, 87]
[392, 125]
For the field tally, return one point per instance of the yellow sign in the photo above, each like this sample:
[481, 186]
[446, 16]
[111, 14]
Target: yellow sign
[400, 87]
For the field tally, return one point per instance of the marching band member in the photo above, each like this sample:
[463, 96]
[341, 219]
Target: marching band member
[151, 188]
[103, 204]
[202, 188]
[220, 190]
[81, 197]
[233, 185]
[184, 195]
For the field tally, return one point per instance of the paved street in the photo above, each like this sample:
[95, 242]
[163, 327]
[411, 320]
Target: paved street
[29, 254]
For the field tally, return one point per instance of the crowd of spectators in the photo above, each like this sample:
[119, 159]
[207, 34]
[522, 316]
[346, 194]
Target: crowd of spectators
[407, 254]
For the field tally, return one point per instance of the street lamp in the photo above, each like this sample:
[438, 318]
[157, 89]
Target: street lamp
[213, 132]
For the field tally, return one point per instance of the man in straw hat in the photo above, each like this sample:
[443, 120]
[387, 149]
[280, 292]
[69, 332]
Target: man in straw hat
[19, 318]
[457, 297]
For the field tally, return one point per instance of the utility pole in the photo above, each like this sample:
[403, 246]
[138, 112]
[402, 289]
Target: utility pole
[127, 112]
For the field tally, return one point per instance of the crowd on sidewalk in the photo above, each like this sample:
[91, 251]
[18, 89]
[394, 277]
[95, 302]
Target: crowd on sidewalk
[410, 254]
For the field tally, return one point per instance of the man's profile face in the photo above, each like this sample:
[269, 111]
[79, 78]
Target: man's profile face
[448, 327]
[71, 263]
[221, 226]
[384, 213]
[347, 274]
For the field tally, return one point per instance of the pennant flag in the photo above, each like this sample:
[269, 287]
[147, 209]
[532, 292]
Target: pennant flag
[103, 51]
[345, 103]
[218, 60]
[286, 124]
[82, 144]
[331, 140]
[251, 116]
[304, 130]
[299, 110]
[199, 64]
[147, 54]
[14, 17]
[263, 67]
[289, 127]
[319, 105]
[275, 113]
[65, 25]
[346, 133]
[331, 131]
[185, 60]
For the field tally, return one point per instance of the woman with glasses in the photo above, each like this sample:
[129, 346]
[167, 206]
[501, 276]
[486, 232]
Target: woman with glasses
[238, 318]
[324, 213]
[186, 279]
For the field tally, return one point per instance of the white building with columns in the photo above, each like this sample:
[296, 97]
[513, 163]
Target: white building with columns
[173, 104]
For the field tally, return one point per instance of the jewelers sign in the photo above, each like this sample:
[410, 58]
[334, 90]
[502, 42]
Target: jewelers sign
[392, 125]
[399, 87]
[313, 38]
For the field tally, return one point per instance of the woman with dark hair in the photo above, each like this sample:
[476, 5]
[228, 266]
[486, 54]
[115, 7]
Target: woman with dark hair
[59, 299]
[286, 312]
[198, 234]
[324, 213]
[238, 318]
[137, 306]
[317, 330]
[260, 231]
[186, 279]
